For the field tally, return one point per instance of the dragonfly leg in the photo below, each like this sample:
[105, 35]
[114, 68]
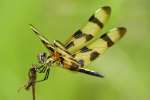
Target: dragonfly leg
[46, 75]
[90, 72]
[41, 69]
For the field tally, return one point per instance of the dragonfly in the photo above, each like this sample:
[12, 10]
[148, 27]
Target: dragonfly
[79, 50]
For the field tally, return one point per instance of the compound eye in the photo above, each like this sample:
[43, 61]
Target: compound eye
[42, 57]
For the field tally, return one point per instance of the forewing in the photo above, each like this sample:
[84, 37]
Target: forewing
[91, 29]
[43, 39]
[90, 52]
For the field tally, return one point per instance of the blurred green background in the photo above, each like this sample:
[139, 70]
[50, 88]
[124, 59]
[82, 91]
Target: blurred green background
[126, 65]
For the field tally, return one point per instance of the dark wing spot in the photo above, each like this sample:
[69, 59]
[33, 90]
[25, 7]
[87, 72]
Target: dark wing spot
[73, 55]
[78, 34]
[122, 31]
[50, 48]
[96, 21]
[81, 62]
[85, 49]
[89, 37]
[106, 38]
[45, 43]
[74, 66]
[107, 9]
[94, 55]
[71, 44]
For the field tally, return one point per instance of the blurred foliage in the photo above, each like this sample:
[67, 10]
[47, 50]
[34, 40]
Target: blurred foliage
[126, 65]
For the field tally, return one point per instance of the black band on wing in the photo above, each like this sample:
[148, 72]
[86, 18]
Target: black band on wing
[96, 21]
[106, 38]
[94, 55]
[78, 34]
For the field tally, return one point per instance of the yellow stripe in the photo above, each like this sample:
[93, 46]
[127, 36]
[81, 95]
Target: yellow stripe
[103, 13]
[116, 33]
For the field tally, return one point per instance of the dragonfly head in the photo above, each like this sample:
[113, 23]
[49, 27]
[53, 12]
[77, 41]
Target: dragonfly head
[42, 57]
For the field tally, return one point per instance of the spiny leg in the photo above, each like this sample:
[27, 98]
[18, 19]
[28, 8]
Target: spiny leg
[41, 69]
[46, 75]
[44, 68]
[90, 72]
[32, 76]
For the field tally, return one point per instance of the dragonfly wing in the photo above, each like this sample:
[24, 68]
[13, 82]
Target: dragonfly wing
[43, 39]
[91, 29]
[90, 52]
